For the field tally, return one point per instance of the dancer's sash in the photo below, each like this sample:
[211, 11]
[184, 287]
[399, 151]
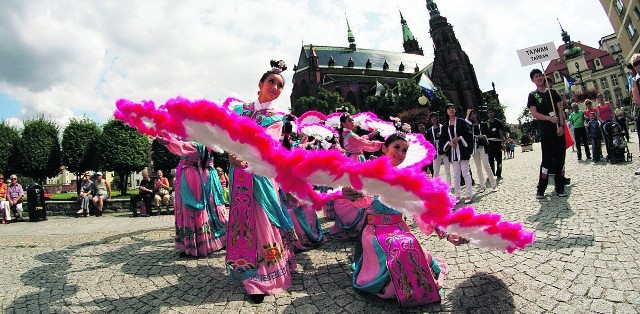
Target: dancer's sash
[408, 265]
[241, 256]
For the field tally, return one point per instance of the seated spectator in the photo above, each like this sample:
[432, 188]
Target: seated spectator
[162, 189]
[85, 195]
[4, 202]
[146, 195]
[15, 195]
[103, 193]
[526, 139]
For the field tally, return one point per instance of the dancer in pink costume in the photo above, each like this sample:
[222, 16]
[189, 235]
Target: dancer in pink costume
[389, 261]
[348, 214]
[198, 203]
[353, 144]
[296, 171]
[259, 251]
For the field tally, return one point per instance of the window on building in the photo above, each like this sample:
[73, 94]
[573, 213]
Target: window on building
[618, 98]
[603, 83]
[619, 7]
[637, 13]
[557, 76]
[614, 80]
[596, 62]
[631, 30]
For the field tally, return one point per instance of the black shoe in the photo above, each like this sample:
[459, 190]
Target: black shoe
[588, 158]
[257, 298]
[540, 195]
[579, 158]
[183, 254]
[561, 193]
[499, 178]
[134, 215]
[567, 180]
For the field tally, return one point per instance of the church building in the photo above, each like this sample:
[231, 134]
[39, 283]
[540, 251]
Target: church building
[356, 73]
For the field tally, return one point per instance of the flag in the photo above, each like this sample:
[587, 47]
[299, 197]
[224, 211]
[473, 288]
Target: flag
[568, 82]
[427, 85]
[379, 88]
[568, 139]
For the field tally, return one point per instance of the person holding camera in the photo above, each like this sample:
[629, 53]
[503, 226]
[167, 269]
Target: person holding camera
[162, 191]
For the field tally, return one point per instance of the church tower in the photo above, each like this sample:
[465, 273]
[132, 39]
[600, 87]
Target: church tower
[452, 71]
[350, 37]
[409, 43]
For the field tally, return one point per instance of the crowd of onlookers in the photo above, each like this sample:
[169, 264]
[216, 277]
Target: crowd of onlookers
[153, 193]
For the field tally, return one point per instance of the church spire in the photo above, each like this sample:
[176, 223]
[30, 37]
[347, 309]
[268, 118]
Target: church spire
[433, 8]
[350, 37]
[410, 43]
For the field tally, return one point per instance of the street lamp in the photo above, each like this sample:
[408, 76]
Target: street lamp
[580, 76]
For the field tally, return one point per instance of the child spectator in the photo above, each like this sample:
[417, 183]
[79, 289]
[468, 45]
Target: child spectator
[594, 132]
[512, 147]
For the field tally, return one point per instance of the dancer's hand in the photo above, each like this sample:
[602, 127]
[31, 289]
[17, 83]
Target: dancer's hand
[237, 163]
[456, 239]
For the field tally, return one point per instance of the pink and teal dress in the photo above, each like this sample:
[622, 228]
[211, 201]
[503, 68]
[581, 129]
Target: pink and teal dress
[198, 202]
[261, 233]
[309, 232]
[390, 263]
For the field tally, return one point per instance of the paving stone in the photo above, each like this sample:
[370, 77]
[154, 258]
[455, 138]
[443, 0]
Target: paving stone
[586, 258]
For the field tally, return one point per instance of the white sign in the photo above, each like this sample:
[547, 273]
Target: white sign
[538, 54]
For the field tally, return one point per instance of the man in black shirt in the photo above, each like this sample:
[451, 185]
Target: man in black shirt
[551, 129]
[146, 195]
[495, 136]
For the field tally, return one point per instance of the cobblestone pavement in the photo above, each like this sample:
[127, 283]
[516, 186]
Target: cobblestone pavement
[585, 259]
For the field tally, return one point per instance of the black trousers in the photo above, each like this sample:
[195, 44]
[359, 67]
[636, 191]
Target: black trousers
[553, 155]
[147, 198]
[494, 150]
[582, 139]
[625, 128]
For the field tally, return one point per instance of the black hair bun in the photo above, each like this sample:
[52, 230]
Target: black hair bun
[280, 64]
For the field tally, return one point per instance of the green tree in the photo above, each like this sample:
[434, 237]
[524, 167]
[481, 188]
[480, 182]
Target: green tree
[325, 102]
[162, 158]
[123, 150]
[8, 143]
[79, 140]
[526, 123]
[38, 151]
[402, 101]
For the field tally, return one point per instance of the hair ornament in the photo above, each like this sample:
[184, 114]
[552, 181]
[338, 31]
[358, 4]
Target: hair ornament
[278, 66]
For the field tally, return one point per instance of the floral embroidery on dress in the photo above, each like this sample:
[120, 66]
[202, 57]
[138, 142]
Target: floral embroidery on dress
[271, 254]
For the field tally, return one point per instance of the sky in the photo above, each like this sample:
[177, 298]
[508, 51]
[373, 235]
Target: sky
[68, 59]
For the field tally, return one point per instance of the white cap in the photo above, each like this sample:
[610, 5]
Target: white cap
[98, 173]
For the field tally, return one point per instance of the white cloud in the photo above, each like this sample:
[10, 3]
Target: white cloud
[68, 58]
